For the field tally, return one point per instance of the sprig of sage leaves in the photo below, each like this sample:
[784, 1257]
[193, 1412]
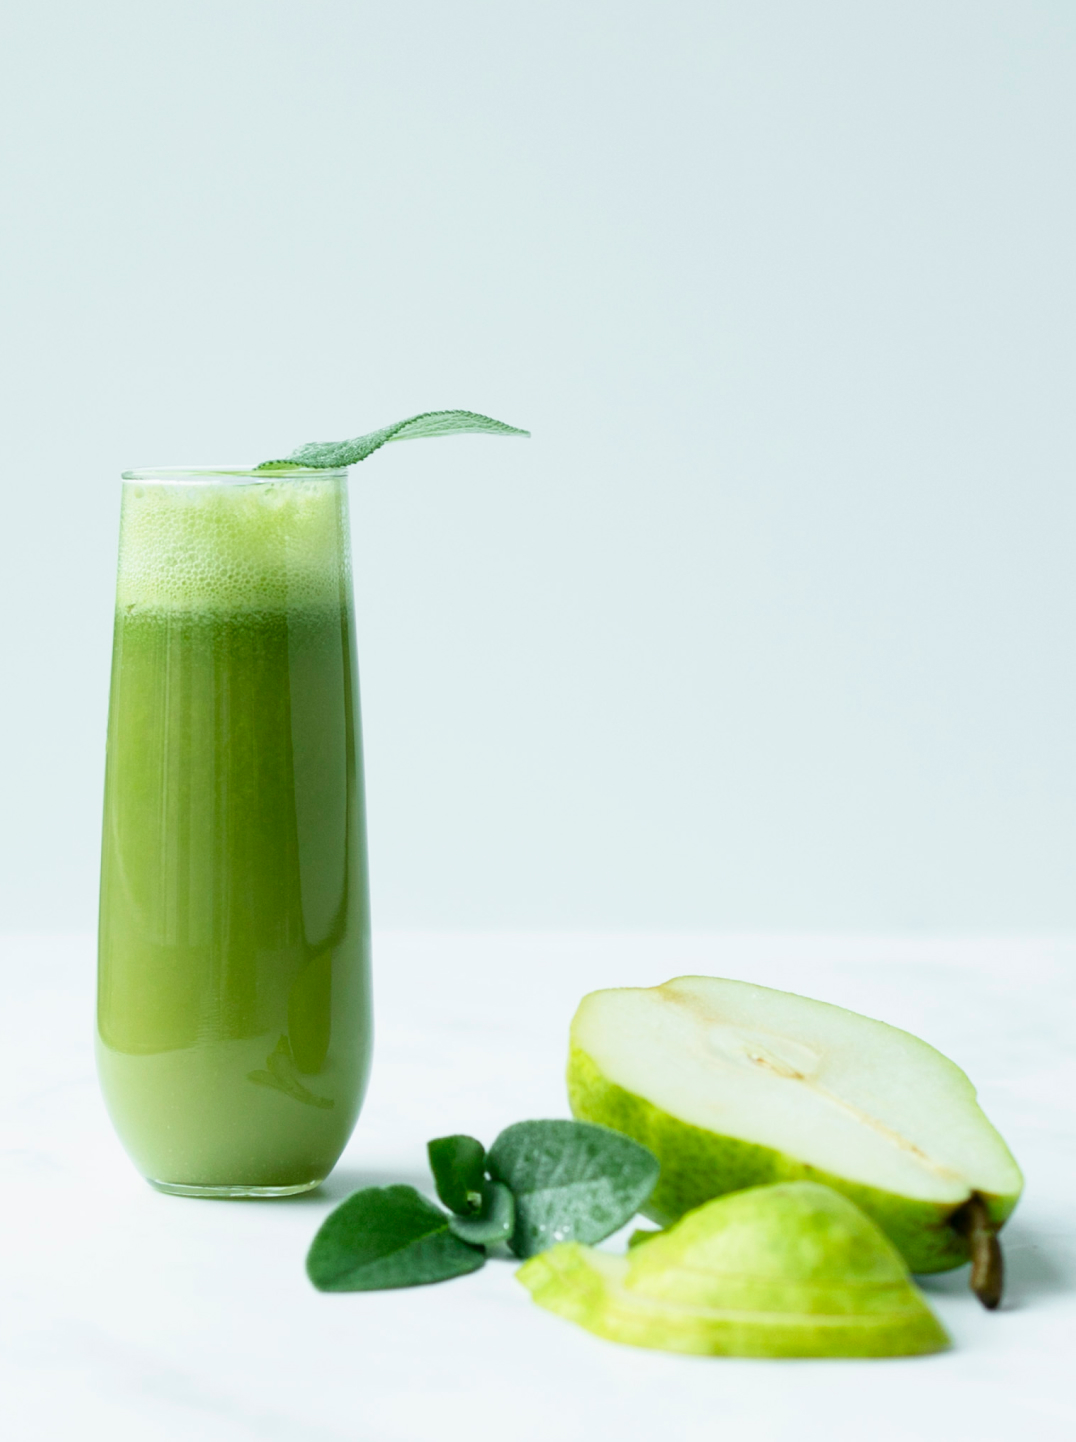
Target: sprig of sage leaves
[540, 1183]
[331, 455]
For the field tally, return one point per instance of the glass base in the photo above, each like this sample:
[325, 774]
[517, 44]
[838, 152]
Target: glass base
[236, 1193]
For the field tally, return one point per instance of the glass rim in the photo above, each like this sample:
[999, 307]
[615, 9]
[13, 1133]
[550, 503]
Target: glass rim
[228, 475]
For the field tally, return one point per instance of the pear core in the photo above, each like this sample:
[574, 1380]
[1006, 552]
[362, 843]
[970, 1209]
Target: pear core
[792, 1270]
[734, 1085]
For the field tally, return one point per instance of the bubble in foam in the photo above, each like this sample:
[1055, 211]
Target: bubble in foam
[215, 548]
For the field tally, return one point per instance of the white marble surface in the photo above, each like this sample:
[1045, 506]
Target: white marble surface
[130, 1315]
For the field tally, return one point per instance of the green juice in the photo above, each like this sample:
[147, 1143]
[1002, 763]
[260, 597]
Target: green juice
[233, 998]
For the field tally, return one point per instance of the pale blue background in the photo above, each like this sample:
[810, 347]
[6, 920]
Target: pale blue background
[771, 624]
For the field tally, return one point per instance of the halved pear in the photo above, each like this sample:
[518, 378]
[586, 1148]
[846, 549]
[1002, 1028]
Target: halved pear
[792, 1270]
[733, 1085]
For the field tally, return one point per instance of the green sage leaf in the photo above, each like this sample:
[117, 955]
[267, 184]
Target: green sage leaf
[497, 1220]
[331, 454]
[458, 1164]
[387, 1237]
[572, 1181]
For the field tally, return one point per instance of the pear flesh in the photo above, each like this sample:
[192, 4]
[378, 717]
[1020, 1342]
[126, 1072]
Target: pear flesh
[791, 1270]
[733, 1085]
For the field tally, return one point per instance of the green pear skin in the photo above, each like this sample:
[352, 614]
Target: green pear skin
[793, 1270]
[698, 1164]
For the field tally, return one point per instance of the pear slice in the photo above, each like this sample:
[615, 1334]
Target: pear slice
[733, 1085]
[792, 1270]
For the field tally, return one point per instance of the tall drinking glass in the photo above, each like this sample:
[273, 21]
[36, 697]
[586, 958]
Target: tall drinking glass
[233, 1016]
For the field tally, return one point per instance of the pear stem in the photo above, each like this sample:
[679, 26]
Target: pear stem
[987, 1265]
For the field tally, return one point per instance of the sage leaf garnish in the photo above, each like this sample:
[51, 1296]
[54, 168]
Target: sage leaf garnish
[332, 454]
[458, 1164]
[387, 1237]
[572, 1181]
[540, 1183]
[496, 1221]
